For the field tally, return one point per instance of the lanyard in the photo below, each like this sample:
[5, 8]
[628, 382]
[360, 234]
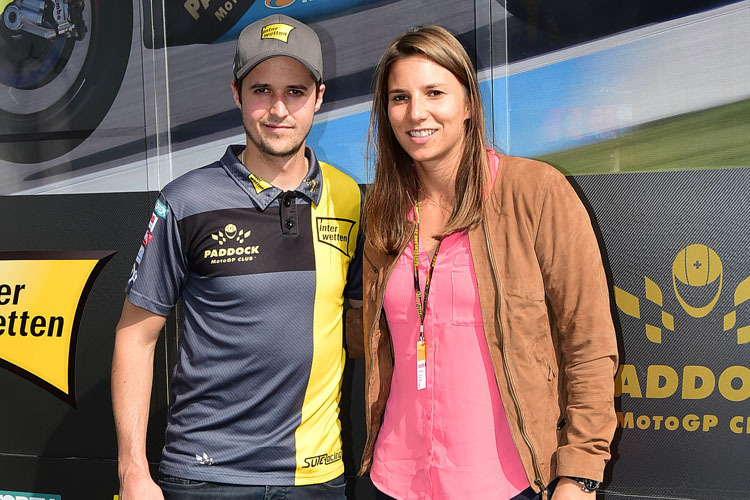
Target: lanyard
[422, 302]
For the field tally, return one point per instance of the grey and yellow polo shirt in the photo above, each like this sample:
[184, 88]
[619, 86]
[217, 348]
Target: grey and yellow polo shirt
[263, 275]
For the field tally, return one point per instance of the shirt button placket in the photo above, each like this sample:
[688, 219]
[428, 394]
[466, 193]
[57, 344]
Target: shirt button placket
[288, 212]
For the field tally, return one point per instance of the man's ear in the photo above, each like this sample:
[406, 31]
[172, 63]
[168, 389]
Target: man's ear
[237, 92]
[319, 98]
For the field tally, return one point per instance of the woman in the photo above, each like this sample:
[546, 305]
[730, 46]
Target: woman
[489, 344]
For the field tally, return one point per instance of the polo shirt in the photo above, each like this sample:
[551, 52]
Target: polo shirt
[263, 274]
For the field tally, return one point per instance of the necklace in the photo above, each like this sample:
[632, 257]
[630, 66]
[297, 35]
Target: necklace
[432, 201]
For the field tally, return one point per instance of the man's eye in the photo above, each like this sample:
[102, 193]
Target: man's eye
[262, 91]
[434, 93]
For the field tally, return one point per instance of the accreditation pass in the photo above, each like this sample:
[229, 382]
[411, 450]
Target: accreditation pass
[421, 365]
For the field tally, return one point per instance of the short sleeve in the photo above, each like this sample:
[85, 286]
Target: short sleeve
[160, 267]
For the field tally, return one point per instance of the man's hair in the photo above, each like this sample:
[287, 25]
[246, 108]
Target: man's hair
[392, 194]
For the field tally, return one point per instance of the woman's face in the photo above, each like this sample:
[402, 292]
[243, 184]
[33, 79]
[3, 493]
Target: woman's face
[427, 107]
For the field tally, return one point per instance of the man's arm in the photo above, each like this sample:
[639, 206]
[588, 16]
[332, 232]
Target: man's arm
[132, 375]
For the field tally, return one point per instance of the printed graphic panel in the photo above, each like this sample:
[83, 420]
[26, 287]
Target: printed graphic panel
[158, 124]
[49, 478]
[71, 93]
[664, 86]
[41, 303]
[677, 249]
[353, 38]
[53, 227]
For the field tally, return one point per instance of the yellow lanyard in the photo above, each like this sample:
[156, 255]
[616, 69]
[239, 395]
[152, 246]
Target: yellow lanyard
[422, 302]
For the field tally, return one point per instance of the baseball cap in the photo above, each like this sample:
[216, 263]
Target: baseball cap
[277, 35]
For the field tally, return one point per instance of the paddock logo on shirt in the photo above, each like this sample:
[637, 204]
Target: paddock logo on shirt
[230, 246]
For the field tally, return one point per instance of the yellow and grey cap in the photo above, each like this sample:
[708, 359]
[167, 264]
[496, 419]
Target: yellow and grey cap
[277, 35]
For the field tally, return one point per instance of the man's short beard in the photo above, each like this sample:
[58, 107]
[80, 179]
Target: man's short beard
[267, 150]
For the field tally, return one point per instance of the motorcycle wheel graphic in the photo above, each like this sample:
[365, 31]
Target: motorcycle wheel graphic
[54, 93]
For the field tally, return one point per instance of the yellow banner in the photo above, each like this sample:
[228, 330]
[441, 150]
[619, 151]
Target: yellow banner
[42, 295]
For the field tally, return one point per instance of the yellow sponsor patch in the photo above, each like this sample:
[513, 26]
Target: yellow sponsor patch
[335, 232]
[259, 184]
[279, 31]
[42, 295]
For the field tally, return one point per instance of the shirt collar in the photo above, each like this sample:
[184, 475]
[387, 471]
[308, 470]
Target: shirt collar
[263, 193]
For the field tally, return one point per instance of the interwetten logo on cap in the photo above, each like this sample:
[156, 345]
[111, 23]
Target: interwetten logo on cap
[279, 31]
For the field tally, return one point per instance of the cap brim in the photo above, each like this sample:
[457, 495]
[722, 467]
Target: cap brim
[249, 65]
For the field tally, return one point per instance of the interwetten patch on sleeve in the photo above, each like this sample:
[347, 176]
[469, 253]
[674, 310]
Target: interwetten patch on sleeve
[279, 31]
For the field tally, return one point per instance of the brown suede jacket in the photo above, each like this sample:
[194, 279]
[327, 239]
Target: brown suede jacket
[546, 313]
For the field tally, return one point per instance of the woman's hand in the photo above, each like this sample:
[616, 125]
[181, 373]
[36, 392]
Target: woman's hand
[568, 489]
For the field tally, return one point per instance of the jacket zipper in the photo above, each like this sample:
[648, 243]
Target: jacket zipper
[371, 328]
[538, 476]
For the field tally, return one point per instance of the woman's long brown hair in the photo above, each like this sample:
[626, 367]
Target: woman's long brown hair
[391, 196]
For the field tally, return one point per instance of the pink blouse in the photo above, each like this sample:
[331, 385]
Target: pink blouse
[450, 440]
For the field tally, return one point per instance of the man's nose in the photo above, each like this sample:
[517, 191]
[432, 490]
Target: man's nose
[279, 109]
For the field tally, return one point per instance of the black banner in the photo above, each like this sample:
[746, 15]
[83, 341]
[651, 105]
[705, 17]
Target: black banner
[677, 245]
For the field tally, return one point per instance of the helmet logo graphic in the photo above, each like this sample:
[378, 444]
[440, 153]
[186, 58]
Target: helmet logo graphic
[697, 278]
[231, 233]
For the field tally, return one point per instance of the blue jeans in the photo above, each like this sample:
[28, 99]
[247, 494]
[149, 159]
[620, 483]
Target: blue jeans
[177, 488]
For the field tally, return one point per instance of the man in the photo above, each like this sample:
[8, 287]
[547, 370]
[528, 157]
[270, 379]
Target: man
[262, 247]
